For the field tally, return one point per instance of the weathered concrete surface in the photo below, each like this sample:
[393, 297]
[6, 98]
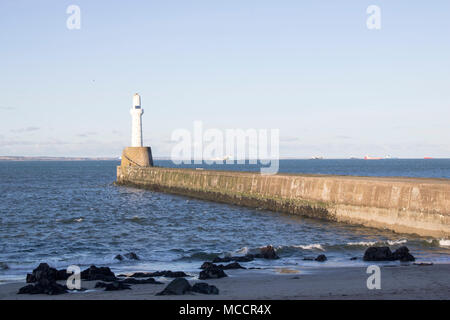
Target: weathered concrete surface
[137, 156]
[406, 205]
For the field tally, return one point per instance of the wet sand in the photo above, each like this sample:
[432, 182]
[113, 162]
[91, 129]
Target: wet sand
[397, 282]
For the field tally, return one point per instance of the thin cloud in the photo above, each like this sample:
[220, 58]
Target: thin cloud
[344, 137]
[27, 129]
[86, 134]
[289, 139]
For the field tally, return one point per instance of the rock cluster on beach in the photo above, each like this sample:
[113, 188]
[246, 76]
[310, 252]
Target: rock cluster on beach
[212, 272]
[233, 265]
[165, 273]
[267, 252]
[43, 279]
[181, 286]
[385, 254]
[94, 273]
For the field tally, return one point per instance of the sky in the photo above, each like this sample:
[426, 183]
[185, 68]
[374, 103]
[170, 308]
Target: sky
[311, 69]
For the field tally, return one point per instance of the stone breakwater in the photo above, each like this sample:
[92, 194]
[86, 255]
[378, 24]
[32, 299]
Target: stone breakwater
[404, 205]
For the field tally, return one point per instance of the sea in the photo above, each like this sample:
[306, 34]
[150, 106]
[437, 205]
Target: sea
[71, 213]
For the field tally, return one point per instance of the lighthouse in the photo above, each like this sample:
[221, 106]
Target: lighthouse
[136, 155]
[136, 121]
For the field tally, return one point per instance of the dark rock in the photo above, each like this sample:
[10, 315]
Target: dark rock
[132, 256]
[354, 258]
[3, 266]
[137, 275]
[385, 254]
[176, 287]
[378, 254]
[51, 288]
[113, 286]
[30, 278]
[233, 265]
[424, 264]
[136, 281]
[169, 274]
[44, 274]
[403, 254]
[166, 273]
[29, 289]
[212, 272]
[206, 265]
[246, 258]
[45, 278]
[321, 258]
[204, 288]
[119, 257]
[62, 275]
[267, 253]
[94, 273]
[100, 284]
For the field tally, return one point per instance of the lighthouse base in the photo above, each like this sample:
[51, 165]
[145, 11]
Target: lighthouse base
[137, 156]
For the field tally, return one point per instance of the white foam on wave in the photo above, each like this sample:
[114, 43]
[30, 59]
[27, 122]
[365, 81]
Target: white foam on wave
[312, 246]
[444, 242]
[243, 250]
[362, 243]
[394, 242]
[372, 243]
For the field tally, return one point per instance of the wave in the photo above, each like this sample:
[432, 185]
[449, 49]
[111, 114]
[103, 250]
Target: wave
[377, 243]
[313, 246]
[438, 243]
[289, 249]
[243, 251]
[362, 243]
[396, 242]
[69, 221]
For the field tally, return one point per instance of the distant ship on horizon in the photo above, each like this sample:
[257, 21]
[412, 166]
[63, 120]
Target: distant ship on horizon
[379, 158]
[372, 158]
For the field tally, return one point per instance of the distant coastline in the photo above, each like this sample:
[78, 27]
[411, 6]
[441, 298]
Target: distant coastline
[167, 158]
[17, 158]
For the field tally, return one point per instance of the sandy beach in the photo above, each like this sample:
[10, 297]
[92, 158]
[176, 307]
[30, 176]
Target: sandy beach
[397, 282]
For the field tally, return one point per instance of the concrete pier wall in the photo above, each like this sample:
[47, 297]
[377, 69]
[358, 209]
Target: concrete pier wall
[405, 205]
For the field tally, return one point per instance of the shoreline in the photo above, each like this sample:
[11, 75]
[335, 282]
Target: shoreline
[402, 281]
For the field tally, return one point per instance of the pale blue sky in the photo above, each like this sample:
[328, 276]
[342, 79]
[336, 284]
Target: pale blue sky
[310, 68]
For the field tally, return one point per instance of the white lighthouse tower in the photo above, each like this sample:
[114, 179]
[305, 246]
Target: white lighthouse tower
[136, 155]
[136, 121]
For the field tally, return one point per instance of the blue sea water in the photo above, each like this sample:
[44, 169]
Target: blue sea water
[65, 213]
